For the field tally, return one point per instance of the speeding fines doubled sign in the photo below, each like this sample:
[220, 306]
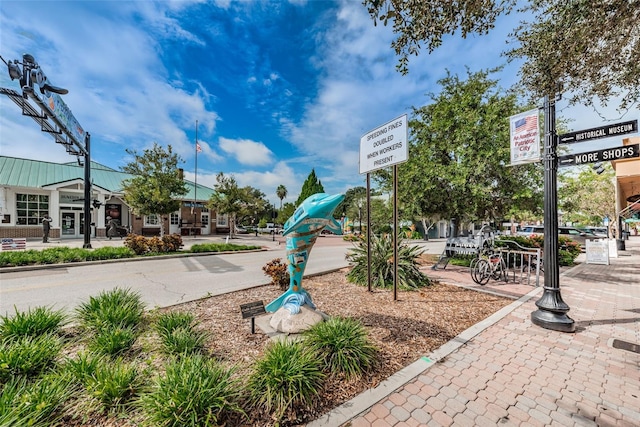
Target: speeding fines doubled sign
[384, 146]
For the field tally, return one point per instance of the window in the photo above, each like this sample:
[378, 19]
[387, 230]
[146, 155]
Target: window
[152, 219]
[174, 218]
[222, 220]
[30, 208]
[205, 219]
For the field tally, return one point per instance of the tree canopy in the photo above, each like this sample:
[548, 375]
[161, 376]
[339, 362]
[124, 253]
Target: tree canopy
[459, 155]
[587, 197]
[581, 47]
[236, 201]
[156, 184]
[311, 186]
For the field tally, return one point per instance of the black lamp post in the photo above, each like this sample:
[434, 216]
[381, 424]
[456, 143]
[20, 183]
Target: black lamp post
[552, 310]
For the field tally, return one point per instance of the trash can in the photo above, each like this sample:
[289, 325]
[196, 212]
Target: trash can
[620, 245]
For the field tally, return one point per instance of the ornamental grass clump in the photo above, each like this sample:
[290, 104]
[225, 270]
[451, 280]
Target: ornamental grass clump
[178, 333]
[33, 322]
[193, 391]
[382, 267]
[112, 340]
[118, 307]
[28, 356]
[287, 376]
[114, 385]
[343, 345]
[35, 403]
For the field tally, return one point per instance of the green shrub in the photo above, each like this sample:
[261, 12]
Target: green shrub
[279, 273]
[178, 335]
[409, 274]
[28, 356]
[287, 375]
[141, 245]
[117, 307]
[568, 250]
[193, 391]
[138, 244]
[39, 403]
[83, 366]
[109, 252]
[172, 242]
[221, 247]
[353, 237]
[113, 385]
[40, 320]
[112, 340]
[343, 346]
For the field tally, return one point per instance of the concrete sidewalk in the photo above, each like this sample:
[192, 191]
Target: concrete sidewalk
[508, 371]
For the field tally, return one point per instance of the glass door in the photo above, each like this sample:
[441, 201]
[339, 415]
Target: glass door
[68, 224]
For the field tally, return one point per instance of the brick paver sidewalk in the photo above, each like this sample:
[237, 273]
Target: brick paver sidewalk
[510, 372]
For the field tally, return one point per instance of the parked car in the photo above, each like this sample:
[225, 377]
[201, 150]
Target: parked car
[241, 230]
[597, 231]
[579, 236]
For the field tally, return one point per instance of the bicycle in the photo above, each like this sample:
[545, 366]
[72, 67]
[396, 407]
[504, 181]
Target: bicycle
[491, 267]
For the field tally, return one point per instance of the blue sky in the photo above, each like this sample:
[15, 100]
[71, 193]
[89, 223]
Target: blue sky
[277, 87]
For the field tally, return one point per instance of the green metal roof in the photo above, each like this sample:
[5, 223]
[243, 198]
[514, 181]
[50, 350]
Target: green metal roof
[16, 172]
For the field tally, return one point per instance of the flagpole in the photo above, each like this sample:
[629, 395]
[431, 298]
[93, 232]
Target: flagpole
[195, 187]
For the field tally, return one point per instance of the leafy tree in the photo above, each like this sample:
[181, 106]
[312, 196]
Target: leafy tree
[235, 201]
[285, 212]
[590, 48]
[587, 197]
[459, 155]
[156, 184]
[311, 186]
[281, 192]
[428, 21]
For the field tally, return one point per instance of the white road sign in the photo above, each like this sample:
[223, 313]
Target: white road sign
[384, 146]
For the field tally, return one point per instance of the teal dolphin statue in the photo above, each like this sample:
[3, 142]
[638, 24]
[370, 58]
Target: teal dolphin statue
[301, 230]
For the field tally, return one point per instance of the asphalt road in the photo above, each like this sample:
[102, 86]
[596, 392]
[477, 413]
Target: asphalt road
[161, 281]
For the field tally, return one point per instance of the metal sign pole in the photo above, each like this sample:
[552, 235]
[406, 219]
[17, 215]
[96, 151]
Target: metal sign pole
[395, 232]
[552, 310]
[368, 232]
[87, 193]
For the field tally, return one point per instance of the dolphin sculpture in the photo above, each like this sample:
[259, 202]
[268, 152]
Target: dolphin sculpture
[301, 230]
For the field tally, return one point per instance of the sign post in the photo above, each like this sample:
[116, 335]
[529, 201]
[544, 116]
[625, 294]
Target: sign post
[54, 117]
[385, 146]
[552, 310]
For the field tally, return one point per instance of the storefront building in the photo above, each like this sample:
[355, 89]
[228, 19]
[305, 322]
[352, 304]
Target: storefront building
[29, 189]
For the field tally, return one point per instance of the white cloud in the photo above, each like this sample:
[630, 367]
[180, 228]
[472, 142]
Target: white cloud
[247, 152]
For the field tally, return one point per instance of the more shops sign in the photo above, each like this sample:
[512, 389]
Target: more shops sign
[605, 155]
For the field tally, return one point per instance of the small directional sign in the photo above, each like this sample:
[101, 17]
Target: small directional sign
[606, 155]
[599, 132]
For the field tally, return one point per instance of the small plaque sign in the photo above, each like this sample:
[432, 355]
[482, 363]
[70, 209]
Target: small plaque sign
[252, 309]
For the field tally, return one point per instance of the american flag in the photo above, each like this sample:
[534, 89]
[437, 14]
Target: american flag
[526, 123]
[198, 147]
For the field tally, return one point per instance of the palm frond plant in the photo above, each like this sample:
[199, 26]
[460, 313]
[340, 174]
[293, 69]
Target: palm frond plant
[409, 275]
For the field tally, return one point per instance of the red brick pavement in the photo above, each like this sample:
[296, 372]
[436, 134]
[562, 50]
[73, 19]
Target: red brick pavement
[510, 372]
